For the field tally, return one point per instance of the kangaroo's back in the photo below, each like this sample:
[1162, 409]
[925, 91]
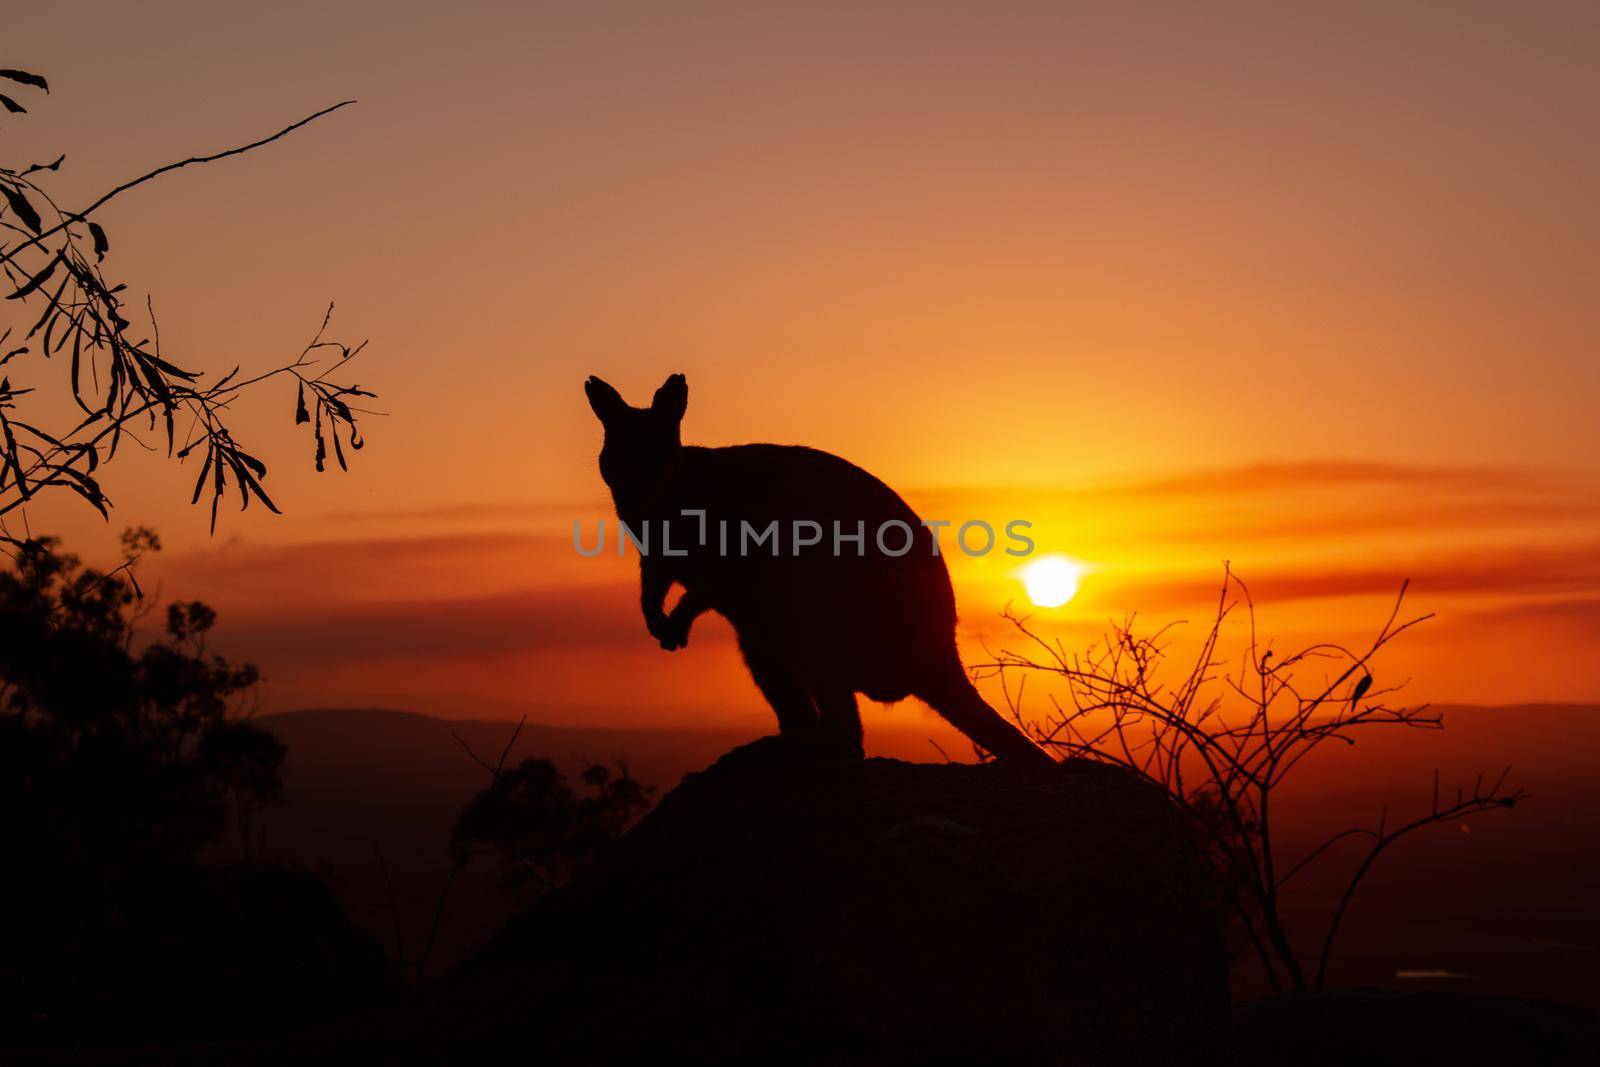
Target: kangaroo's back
[842, 608]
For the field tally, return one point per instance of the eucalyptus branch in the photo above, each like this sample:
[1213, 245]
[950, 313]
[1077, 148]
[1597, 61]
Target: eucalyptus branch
[121, 382]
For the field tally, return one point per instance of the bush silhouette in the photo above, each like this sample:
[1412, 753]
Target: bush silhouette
[120, 759]
[1220, 736]
[541, 828]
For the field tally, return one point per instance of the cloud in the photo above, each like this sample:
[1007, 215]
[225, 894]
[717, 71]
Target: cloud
[1315, 475]
[1577, 616]
[601, 615]
[1421, 517]
[442, 628]
[1572, 569]
[328, 573]
[1312, 504]
[536, 511]
[1329, 474]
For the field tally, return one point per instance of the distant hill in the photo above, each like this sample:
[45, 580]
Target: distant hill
[334, 747]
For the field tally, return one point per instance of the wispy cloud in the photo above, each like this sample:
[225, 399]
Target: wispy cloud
[1576, 616]
[1303, 475]
[1327, 474]
[1452, 518]
[535, 511]
[1512, 572]
[446, 628]
[1311, 505]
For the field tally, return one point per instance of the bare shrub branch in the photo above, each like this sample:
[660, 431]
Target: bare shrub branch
[1220, 738]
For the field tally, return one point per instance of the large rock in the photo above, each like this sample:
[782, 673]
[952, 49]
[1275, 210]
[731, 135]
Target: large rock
[781, 907]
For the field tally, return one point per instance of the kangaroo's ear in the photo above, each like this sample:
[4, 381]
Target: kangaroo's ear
[672, 399]
[606, 401]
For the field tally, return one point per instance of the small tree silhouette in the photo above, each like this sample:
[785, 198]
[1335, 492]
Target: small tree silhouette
[62, 307]
[1221, 739]
[541, 828]
[246, 763]
[530, 817]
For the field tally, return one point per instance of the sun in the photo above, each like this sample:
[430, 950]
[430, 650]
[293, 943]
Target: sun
[1051, 581]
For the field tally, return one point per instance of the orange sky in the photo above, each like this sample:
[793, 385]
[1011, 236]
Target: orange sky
[1312, 292]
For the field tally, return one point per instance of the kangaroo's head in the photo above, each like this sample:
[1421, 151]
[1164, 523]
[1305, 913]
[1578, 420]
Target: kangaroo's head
[640, 443]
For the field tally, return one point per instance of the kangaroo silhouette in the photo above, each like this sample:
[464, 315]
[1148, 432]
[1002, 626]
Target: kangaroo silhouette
[815, 627]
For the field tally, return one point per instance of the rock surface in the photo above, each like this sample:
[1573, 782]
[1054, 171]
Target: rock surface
[785, 908]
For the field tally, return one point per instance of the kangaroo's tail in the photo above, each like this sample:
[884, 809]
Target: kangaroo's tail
[953, 696]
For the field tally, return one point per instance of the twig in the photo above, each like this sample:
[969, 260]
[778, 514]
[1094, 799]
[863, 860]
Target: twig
[461, 862]
[79, 216]
[394, 911]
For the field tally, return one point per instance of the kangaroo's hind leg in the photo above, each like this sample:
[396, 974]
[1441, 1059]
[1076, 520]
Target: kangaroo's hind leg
[797, 715]
[841, 723]
[951, 693]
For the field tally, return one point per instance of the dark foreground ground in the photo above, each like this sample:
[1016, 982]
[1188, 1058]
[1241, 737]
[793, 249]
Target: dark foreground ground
[1500, 905]
[795, 911]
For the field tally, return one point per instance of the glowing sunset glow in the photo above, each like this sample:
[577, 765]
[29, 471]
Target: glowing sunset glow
[1176, 291]
[1051, 581]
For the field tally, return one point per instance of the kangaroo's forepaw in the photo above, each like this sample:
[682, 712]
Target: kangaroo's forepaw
[674, 633]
